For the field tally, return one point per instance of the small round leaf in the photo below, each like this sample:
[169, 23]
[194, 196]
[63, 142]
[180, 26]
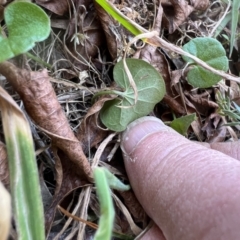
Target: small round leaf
[26, 23]
[210, 51]
[118, 113]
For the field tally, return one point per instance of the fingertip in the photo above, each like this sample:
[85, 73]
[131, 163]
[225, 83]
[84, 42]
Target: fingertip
[140, 129]
[187, 189]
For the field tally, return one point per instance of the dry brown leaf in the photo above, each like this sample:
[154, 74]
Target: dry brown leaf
[176, 76]
[113, 32]
[202, 104]
[62, 7]
[219, 135]
[85, 43]
[131, 224]
[213, 130]
[90, 133]
[200, 5]
[134, 207]
[235, 90]
[121, 224]
[55, 6]
[1, 12]
[4, 173]
[176, 12]
[175, 104]
[67, 180]
[41, 104]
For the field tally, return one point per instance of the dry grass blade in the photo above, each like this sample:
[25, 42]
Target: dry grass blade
[101, 148]
[136, 230]
[43, 107]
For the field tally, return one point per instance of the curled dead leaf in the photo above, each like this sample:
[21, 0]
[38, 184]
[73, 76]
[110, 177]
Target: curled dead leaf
[41, 104]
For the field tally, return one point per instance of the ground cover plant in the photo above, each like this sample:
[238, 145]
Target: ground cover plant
[77, 84]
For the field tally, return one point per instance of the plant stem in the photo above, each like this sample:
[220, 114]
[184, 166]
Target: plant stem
[106, 92]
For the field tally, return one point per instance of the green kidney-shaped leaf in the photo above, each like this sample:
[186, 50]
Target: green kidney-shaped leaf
[118, 113]
[26, 23]
[182, 124]
[210, 51]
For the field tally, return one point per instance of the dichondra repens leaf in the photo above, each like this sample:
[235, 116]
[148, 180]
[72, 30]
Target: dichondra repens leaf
[118, 113]
[210, 51]
[26, 24]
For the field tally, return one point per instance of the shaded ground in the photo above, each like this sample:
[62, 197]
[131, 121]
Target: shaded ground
[82, 49]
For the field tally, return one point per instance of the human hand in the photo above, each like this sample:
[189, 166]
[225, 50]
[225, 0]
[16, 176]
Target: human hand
[188, 190]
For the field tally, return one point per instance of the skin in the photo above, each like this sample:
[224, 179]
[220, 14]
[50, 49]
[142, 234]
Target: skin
[189, 191]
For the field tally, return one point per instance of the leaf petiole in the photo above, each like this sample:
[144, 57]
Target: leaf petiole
[107, 92]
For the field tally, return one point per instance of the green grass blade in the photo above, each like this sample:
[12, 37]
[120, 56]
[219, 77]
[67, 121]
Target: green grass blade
[235, 13]
[223, 24]
[24, 182]
[106, 206]
[117, 15]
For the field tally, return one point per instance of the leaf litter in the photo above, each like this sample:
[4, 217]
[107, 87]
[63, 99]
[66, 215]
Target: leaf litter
[84, 45]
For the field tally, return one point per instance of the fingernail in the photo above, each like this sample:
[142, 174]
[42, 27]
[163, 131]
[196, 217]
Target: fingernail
[138, 130]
